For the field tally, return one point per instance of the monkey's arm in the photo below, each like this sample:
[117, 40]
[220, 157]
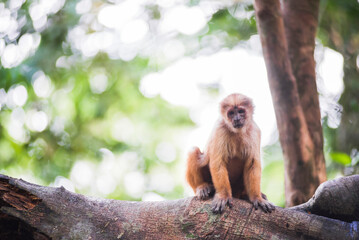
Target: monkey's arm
[252, 182]
[252, 179]
[221, 183]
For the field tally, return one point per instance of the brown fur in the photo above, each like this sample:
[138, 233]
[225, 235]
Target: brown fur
[230, 164]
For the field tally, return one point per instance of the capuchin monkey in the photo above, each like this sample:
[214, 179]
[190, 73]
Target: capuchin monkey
[230, 165]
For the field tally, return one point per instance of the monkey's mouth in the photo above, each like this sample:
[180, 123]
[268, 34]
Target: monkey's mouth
[238, 124]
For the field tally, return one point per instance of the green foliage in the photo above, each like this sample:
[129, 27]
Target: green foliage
[236, 29]
[338, 29]
[273, 174]
[340, 158]
[337, 25]
[117, 125]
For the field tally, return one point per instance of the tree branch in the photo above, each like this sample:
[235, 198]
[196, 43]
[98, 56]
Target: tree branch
[336, 199]
[46, 212]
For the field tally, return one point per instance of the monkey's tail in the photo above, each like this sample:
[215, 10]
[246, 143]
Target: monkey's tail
[195, 161]
[196, 157]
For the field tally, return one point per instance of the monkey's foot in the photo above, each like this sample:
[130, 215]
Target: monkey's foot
[219, 203]
[264, 196]
[264, 204]
[245, 196]
[204, 191]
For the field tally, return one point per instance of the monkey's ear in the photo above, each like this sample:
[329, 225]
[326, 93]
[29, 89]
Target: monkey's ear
[223, 109]
[247, 103]
[224, 105]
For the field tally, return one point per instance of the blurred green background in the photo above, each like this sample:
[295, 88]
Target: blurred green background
[106, 97]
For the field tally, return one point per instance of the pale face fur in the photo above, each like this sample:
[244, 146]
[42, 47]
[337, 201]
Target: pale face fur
[236, 110]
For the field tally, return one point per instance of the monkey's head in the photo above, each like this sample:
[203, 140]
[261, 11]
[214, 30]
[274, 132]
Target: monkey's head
[237, 111]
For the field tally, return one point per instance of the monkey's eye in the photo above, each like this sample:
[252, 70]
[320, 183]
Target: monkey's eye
[241, 111]
[231, 113]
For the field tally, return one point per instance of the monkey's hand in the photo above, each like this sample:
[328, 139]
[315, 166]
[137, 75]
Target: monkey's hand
[264, 204]
[204, 191]
[219, 203]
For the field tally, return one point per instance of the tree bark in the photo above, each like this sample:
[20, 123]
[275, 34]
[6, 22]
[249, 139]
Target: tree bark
[301, 23]
[39, 212]
[337, 199]
[302, 145]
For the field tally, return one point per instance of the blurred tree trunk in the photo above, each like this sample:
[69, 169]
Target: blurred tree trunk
[347, 134]
[301, 22]
[339, 30]
[29, 211]
[288, 52]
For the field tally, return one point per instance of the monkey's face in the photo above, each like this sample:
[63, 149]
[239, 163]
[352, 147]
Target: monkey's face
[237, 111]
[237, 116]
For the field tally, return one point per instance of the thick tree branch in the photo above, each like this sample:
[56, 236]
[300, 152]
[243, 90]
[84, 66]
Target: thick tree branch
[337, 199]
[46, 212]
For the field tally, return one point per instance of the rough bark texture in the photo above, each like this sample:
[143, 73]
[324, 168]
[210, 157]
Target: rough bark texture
[54, 213]
[335, 199]
[301, 22]
[299, 148]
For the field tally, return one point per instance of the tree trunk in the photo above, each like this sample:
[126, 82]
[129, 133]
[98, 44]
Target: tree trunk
[302, 146]
[29, 211]
[301, 23]
[339, 31]
[347, 134]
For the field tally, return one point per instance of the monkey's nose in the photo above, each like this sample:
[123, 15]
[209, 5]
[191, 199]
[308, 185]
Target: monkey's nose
[237, 124]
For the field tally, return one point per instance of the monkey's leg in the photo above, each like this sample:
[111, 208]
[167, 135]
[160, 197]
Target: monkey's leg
[222, 185]
[198, 176]
[252, 181]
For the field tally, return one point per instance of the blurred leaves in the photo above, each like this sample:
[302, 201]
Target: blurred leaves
[88, 111]
[338, 29]
[341, 158]
[273, 174]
